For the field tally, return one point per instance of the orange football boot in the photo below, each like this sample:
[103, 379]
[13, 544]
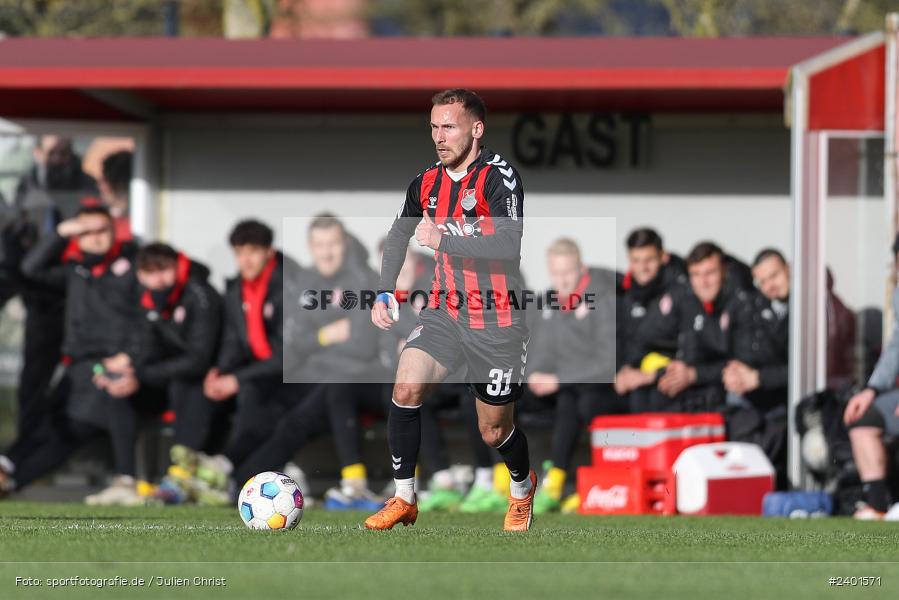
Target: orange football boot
[396, 510]
[521, 512]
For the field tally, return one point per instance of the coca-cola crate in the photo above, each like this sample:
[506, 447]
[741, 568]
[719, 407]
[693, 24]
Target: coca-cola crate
[650, 440]
[625, 491]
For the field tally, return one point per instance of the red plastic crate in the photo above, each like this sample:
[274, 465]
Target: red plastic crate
[651, 441]
[625, 491]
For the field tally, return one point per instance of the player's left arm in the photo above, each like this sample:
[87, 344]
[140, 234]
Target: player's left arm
[42, 263]
[397, 240]
[504, 194]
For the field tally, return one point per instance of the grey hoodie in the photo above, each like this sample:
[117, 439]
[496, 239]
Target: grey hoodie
[884, 376]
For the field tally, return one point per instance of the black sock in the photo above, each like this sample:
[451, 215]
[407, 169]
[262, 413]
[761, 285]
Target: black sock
[876, 494]
[515, 454]
[404, 438]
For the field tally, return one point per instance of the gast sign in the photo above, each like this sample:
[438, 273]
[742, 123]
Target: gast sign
[597, 140]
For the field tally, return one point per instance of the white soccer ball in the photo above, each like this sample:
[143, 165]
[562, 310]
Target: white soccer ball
[270, 501]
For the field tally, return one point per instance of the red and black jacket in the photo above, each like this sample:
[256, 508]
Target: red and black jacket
[102, 311]
[179, 340]
[642, 327]
[236, 354]
[714, 333]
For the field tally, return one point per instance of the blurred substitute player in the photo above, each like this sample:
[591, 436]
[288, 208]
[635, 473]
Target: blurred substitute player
[759, 386]
[871, 415]
[468, 209]
[573, 359]
[715, 328]
[180, 332]
[647, 343]
[250, 356]
[102, 318]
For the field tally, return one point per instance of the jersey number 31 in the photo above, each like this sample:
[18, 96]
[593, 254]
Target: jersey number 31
[500, 382]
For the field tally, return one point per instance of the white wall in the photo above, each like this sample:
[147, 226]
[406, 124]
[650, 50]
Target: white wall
[724, 177]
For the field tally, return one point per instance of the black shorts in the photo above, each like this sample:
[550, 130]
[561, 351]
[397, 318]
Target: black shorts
[495, 357]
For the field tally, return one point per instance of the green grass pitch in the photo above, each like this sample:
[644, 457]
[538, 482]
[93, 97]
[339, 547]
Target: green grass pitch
[443, 556]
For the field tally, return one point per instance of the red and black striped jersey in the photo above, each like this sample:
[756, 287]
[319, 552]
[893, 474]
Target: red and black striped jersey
[478, 260]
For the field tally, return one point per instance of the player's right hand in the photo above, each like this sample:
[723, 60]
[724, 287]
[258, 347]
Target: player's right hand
[625, 380]
[382, 315]
[858, 405]
[543, 384]
[70, 228]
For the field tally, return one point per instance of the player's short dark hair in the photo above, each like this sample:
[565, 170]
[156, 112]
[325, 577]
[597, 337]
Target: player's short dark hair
[643, 238]
[471, 102]
[117, 171]
[156, 257]
[251, 233]
[93, 208]
[702, 251]
[325, 220]
[766, 253]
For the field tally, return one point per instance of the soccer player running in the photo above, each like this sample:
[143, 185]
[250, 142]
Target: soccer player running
[468, 208]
